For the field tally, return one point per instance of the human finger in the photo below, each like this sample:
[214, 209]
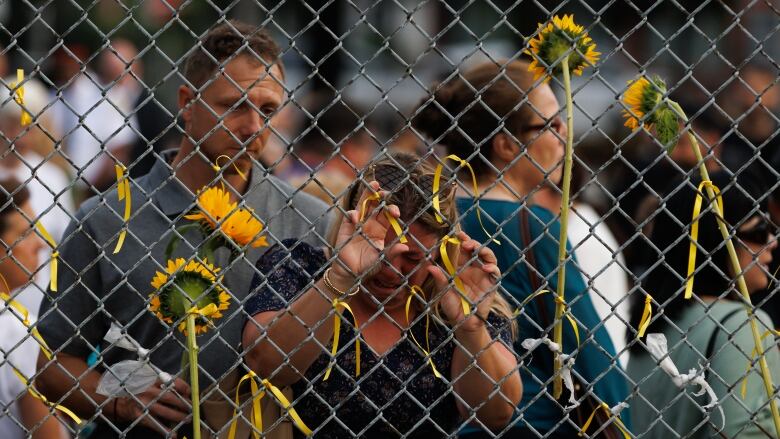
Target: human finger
[144, 414]
[164, 411]
[366, 203]
[175, 400]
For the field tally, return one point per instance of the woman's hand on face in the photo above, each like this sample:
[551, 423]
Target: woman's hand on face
[362, 242]
[479, 275]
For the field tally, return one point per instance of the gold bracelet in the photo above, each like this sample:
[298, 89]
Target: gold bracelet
[329, 284]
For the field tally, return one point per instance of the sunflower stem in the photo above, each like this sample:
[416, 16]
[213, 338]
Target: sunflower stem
[562, 238]
[735, 265]
[192, 349]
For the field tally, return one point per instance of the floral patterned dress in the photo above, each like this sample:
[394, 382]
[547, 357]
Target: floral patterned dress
[396, 393]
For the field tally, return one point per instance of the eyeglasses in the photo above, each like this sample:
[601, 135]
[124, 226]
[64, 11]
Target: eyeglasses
[758, 234]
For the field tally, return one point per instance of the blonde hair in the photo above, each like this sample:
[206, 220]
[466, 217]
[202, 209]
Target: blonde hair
[415, 205]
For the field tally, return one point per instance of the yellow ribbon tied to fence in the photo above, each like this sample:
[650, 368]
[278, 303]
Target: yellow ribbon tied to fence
[19, 97]
[437, 184]
[5, 296]
[390, 218]
[695, 231]
[417, 291]
[257, 415]
[54, 254]
[618, 422]
[557, 299]
[123, 191]
[647, 313]
[450, 267]
[341, 304]
[216, 166]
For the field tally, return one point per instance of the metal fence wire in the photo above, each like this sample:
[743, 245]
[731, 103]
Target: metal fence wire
[235, 219]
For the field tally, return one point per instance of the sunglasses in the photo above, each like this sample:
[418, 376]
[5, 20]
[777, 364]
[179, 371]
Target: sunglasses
[759, 234]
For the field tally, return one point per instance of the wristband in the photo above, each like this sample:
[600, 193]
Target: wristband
[339, 294]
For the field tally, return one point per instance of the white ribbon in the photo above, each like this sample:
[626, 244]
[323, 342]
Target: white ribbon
[116, 337]
[130, 377]
[567, 363]
[658, 348]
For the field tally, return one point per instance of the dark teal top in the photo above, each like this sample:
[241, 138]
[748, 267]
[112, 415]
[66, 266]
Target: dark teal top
[596, 361]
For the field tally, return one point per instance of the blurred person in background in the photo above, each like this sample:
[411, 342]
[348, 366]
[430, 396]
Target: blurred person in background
[711, 327]
[95, 121]
[121, 71]
[335, 147]
[598, 257]
[21, 414]
[752, 101]
[519, 128]
[51, 198]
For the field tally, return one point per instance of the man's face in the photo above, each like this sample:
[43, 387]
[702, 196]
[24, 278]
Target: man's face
[231, 117]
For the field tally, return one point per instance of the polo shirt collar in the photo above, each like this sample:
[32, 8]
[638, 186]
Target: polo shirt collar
[173, 198]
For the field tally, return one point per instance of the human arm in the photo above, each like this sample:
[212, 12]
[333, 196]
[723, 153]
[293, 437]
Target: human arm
[69, 381]
[485, 373]
[283, 342]
[38, 420]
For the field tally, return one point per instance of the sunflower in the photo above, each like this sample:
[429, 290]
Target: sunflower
[215, 205]
[188, 287]
[556, 40]
[644, 99]
[238, 224]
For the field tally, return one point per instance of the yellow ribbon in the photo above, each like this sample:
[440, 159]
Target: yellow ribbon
[437, 182]
[338, 303]
[453, 272]
[606, 408]
[695, 231]
[123, 190]
[216, 166]
[415, 290]
[54, 254]
[390, 218]
[753, 353]
[19, 97]
[644, 322]
[567, 314]
[34, 393]
[5, 296]
[204, 312]
[257, 397]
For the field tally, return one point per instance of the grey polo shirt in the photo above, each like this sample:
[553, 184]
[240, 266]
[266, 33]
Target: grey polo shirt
[97, 287]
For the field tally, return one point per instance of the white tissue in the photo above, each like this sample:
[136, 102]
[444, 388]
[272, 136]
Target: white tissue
[116, 337]
[567, 363]
[129, 377]
[657, 345]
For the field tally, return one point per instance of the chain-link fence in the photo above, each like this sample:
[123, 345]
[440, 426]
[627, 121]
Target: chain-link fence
[343, 219]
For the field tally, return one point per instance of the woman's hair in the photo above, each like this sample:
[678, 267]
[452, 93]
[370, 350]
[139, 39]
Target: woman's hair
[415, 205]
[12, 196]
[671, 236]
[465, 112]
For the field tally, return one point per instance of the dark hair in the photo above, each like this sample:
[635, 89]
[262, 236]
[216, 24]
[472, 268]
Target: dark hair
[12, 196]
[333, 122]
[465, 112]
[225, 41]
[671, 237]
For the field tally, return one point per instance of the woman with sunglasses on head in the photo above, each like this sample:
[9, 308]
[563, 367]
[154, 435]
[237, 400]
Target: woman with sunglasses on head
[712, 327]
[389, 389]
[509, 128]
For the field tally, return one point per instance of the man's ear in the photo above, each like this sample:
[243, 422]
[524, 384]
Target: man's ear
[186, 97]
[505, 148]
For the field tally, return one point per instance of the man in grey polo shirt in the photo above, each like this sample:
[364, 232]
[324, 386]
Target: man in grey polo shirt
[225, 110]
